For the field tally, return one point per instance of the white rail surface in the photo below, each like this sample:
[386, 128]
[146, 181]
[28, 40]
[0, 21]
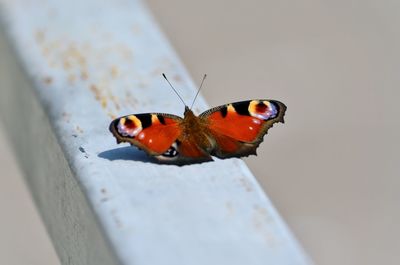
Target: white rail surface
[67, 68]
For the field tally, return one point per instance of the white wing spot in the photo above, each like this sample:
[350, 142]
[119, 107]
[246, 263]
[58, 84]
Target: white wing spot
[141, 135]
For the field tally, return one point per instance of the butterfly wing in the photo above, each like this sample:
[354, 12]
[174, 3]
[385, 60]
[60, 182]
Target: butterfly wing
[160, 136]
[152, 132]
[238, 128]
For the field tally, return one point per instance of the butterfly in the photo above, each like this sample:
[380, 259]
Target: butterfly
[230, 130]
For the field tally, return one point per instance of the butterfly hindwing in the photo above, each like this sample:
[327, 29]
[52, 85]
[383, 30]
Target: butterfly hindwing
[238, 128]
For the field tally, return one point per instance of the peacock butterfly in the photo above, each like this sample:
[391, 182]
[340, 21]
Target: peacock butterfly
[230, 130]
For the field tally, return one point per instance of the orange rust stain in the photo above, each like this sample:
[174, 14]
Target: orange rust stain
[177, 78]
[67, 64]
[82, 61]
[71, 79]
[75, 59]
[84, 75]
[48, 80]
[104, 96]
[95, 91]
[114, 71]
[50, 47]
[104, 102]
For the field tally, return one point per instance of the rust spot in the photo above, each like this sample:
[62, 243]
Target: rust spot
[111, 115]
[71, 79]
[114, 71]
[84, 75]
[95, 91]
[82, 61]
[102, 98]
[104, 102]
[177, 78]
[48, 80]
[67, 64]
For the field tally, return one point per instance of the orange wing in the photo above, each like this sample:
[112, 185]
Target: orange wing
[155, 133]
[238, 128]
[159, 135]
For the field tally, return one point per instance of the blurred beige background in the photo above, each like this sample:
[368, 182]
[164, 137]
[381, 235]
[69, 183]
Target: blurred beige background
[23, 238]
[333, 169]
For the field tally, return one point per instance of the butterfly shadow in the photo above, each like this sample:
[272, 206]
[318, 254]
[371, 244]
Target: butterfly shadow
[126, 153]
[129, 153]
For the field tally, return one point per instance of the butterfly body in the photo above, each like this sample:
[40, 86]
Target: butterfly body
[231, 130]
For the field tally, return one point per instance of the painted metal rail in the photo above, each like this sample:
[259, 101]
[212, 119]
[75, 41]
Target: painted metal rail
[67, 68]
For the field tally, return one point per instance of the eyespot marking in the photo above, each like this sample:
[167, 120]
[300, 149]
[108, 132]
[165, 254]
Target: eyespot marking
[172, 151]
[129, 126]
[263, 110]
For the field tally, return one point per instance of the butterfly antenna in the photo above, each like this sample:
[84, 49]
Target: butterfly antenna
[174, 89]
[198, 91]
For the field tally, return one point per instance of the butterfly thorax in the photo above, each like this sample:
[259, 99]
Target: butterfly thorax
[194, 129]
